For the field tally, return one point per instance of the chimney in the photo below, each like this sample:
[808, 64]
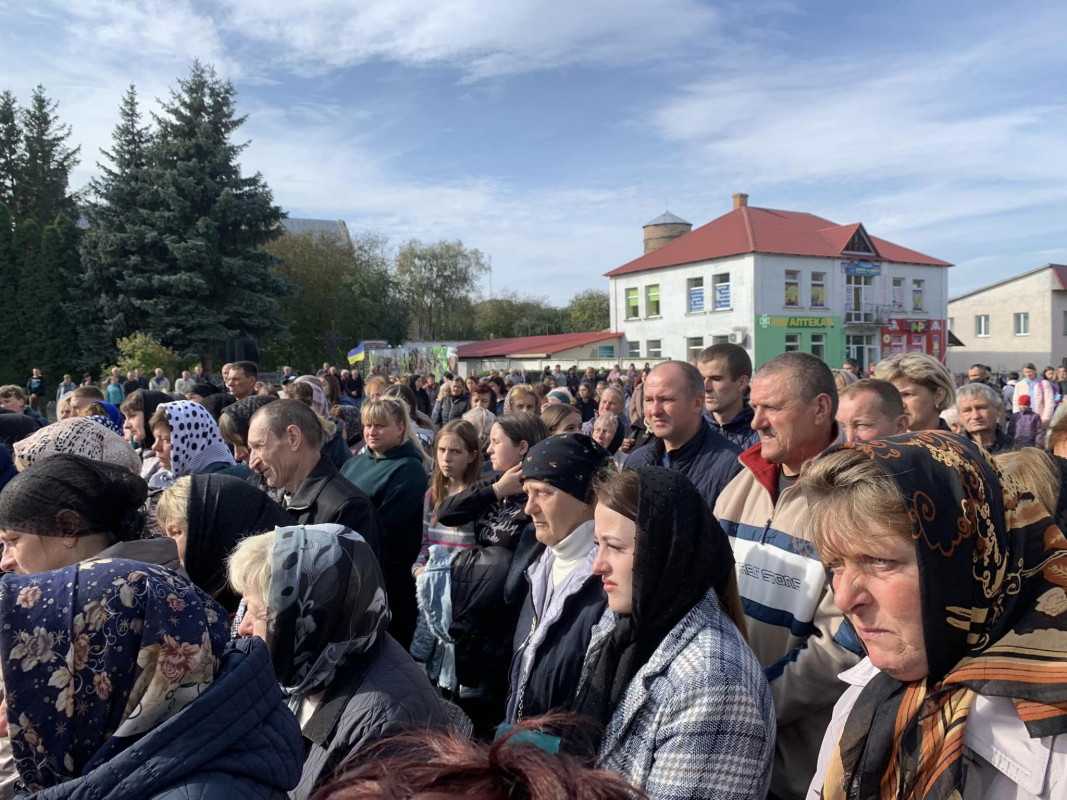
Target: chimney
[740, 200]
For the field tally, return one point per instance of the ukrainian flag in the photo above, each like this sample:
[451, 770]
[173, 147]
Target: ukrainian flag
[355, 354]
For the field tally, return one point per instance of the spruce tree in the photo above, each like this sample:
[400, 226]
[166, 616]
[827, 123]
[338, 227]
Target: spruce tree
[11, 155]
[120, 247]
[27, 253]
[49, 341]
[42, 188]
[214, 281]
[10, 340]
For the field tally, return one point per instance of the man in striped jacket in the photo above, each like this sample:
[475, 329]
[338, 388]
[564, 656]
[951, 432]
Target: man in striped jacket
[799, 636]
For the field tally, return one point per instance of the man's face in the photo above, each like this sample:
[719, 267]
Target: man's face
[1029, 373]
[977, 414]
[199, 371]
[273, 457]
[458, 388]
[240, 384]
[13, 403]
[481, 401]
[674, 415]
[789, 429]
[721, 390]
[974, 374]
[79, 404]
[849, 367]
[185, 374]
[1061, 373]
[66, 379]
[862, 418]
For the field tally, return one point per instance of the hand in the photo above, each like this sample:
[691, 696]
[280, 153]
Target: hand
[510, 482]
[418, 571]
[626, 445]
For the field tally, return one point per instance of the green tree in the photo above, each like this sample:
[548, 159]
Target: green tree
[438, 280]
[28, 292]
[10, 340]
[11, 154]
[42, 182]
[213, 281]
[589, 310]
[141, 351]
[119, 241]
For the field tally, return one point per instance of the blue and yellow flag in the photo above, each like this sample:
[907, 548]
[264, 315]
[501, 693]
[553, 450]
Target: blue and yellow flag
[355, 354]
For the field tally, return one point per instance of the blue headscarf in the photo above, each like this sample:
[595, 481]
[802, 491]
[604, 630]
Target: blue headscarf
[96, 655]
[114, 418]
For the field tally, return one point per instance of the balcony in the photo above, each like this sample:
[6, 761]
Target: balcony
[867, 313]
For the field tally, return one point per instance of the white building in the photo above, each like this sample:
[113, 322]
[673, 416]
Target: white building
[775, 281]
[1012, 322]
[592, 349]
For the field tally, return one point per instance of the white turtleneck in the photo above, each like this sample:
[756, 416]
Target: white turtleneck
[571, 552]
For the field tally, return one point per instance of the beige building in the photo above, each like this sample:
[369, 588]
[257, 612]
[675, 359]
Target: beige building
[1011, 322]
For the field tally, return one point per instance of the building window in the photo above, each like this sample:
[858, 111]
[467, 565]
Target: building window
[693, 346]
[952, 324]
[633, 349]
[652, 300]
[981, 325]
[792, 288]
[858, 306]
[721, 284]
[818, 290]
[653, 348]
[918, 289]
[605, 351]
[792, 342]
[695, 295]
[818, 345]
[898, 293]
[633, 308]
[720, 339]
[1022, 324]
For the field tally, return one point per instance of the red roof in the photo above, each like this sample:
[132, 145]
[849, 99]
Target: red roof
[1060, 271]
[764, 230]
[548, 345]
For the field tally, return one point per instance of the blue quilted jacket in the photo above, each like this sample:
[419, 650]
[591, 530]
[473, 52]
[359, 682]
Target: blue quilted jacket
[237, 741]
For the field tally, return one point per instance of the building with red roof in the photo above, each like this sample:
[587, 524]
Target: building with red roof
[537, 351]
[773, 281]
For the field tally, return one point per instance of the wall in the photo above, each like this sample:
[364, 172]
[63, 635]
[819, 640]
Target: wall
[1037, 293]
[676, 323]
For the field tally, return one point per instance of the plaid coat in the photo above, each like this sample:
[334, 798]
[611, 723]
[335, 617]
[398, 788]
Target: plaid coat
[697, 721]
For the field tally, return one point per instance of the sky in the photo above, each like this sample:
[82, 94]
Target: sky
[547, 133]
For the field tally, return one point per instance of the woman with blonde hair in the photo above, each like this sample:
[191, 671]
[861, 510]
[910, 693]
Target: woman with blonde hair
[521, 397]
[925, 386]
[392, 470]
[482, 419]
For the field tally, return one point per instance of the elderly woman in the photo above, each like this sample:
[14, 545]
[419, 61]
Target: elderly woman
[953, 576]
[315, 595]
[83, 436]
[613, 402]
[120, 684]
[685, 705]
[925, 386]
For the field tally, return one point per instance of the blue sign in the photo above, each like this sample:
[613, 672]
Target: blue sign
[722, 296]
[861, 268]
[696, 298]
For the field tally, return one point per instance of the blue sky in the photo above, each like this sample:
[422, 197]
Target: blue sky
[547, 133]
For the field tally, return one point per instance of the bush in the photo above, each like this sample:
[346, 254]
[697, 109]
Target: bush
[141, 351]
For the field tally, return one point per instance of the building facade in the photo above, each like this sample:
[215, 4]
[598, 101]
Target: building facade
[774, 281]
[1012, 322]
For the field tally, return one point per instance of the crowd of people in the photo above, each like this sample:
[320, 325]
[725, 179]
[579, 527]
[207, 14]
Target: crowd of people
[692, 580]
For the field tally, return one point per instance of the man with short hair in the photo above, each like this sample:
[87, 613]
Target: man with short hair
[242, 379]
[160, 382]
[68, 385]
[35, 391]
[482, 396]
[14, 400]
[131, 384]
[83, 397]
[978, 405]
[141, 379]
[226, 373]
[851, 365]
[871, 409]
[560, 376]
[727, 370]
[685, 442]
[284, 441]
[184, 384]
[796, 631]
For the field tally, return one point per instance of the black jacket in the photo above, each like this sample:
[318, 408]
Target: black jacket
[327, 496]
[452, 408]
[14, 427]
[709, 460]
[738, 430]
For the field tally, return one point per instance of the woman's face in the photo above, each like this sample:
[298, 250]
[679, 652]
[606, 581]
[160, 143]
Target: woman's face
[381, 437]
[176, 532]
[162, 446]
[504, 453]
[134, 426]
[453, 458]
[603, 434]
[878, 590]
[240, 448]
[254, 622]
[524, 402]
[615, 537]
[65, 411]
[920, 403]
[585, 392]
[610, 403]
[1050, 374]
[550, 382]
[572, 423]
[28, 554]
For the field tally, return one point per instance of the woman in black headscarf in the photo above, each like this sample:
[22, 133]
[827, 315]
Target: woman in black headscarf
[235, 420]
[684, 702]
[207, 516]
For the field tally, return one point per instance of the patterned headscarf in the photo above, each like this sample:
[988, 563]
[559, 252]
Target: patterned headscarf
[568, 461]
[195, 442]
[327, 603]
[680, 552]
[82, 436]
[112, 421]
[992, 579]
[96, 655]
[318, 400]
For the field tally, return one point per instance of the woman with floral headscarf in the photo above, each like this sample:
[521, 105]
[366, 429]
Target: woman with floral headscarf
[316, 596]
[954, 577]
[117, 673]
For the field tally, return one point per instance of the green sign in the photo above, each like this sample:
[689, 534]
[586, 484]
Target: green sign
[767, 321]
